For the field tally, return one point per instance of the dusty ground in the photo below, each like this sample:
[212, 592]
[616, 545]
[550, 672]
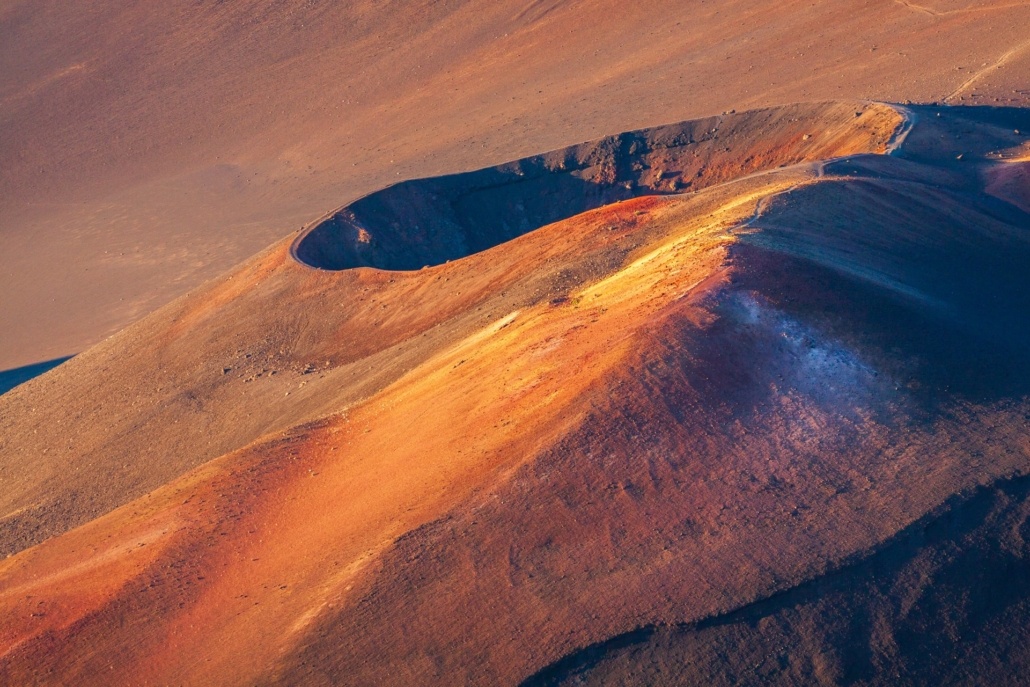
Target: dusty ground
[740, 399]
[599, 438]
[148, 149]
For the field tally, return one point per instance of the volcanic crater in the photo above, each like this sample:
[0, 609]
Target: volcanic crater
[426, 222]
[650, 395]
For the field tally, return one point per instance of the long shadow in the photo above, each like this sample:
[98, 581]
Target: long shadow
[19, 375]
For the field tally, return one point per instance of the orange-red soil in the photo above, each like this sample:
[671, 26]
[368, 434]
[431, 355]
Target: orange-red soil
[593, 451]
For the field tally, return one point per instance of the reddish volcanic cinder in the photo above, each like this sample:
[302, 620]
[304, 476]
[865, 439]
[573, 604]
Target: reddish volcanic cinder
[743, 399]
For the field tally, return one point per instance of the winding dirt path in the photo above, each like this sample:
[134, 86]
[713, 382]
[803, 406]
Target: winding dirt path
[997, 64]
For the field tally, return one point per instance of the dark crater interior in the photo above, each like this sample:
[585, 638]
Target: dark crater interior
[427, 222]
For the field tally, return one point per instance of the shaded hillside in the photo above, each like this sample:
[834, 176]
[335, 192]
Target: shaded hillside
[939, 604]
[610, 445]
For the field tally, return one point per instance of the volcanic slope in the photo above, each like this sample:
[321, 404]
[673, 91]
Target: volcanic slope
[147, 147]
[667, 435]
[211, 372]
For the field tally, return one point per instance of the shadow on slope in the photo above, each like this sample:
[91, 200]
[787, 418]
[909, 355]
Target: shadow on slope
[952, 584]
[910, 256]
[971, 131]
[19, 375]
[932, 285]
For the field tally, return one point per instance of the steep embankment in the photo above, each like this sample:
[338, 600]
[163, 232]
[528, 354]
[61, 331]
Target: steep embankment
[646, 415]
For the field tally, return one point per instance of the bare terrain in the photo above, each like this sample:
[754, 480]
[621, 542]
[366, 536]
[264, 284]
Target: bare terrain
[147, 149]
[731, 386]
